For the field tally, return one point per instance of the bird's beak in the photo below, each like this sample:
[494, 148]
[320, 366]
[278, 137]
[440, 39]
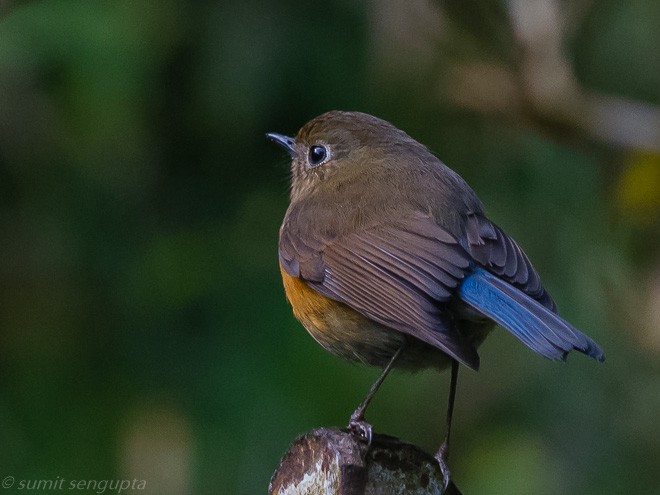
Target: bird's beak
[285, 141]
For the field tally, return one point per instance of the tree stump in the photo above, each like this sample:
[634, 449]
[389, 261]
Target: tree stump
[329, 461]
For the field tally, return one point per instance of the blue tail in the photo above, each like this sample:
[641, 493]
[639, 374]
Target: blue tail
[536, 326]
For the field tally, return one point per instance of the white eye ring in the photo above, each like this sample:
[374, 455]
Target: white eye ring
[317, 155]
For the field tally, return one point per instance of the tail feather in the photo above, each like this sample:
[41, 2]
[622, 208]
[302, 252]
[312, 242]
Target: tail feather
[535, 325]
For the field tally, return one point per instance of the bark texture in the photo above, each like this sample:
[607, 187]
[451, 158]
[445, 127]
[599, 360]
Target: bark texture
[336, 462]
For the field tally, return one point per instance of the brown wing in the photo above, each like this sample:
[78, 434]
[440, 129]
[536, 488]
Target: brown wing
[400, 275]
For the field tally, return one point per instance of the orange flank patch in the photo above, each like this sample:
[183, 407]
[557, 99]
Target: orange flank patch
[308, 305]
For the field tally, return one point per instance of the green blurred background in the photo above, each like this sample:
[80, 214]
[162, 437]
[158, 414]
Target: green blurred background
[143, 327]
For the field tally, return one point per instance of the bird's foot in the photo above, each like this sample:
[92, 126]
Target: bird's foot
[359, 427]
[441, 457]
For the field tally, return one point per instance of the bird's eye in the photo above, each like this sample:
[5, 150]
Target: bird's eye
[317, 154]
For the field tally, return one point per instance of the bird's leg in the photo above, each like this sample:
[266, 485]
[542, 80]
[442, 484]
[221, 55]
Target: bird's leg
[443, 452]
[357, 424]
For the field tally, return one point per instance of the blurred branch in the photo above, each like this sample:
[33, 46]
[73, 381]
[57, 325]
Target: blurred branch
[541, 86]
[335, 462]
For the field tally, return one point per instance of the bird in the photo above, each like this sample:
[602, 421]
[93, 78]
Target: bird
[388, 258]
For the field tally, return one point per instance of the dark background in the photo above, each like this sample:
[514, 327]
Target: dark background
[143, 327]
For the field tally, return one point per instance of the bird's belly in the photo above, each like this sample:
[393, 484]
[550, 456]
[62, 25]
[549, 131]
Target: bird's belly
[351, 335]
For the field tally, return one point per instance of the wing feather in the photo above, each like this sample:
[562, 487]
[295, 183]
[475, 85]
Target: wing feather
[401, 275]
[501, 255]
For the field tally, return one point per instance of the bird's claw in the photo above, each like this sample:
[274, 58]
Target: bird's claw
[441, 457]
[361, 429]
